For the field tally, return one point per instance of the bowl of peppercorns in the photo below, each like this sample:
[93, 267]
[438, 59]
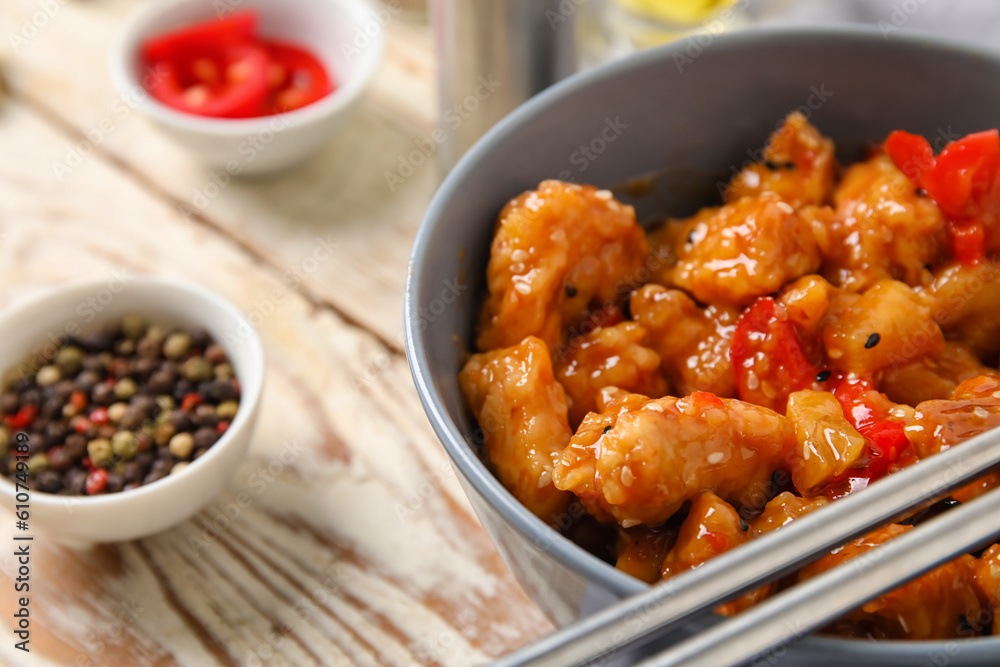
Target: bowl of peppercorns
[125, 405]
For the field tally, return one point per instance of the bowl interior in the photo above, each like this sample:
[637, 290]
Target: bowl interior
[344, 34]
[692, 113]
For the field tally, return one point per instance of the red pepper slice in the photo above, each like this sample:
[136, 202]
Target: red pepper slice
[964, 181]
[236, 29]
[767, 356]
[237, 89]
[886, 439]
[296, 76]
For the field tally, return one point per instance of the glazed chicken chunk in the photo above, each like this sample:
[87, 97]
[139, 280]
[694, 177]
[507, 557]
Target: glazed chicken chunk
[641, 459]
[558, 252]
[521, 411]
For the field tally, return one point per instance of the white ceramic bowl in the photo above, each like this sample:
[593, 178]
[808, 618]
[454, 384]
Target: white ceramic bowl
[86, 306]
[346, 35]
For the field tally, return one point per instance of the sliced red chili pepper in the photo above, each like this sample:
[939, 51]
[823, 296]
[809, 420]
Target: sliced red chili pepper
[886, 439]
[968, 242]
[296, 77]
[767, 356]
[237, 28]
[239, 93]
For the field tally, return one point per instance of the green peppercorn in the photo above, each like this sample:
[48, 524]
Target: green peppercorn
[224, 371]
[48, 375]
[69, 360]
[99, 451]
[124, 445]
[134, 326]
[165, 402]
[227, 409]
[125, 388]
[38, 463]
[176, 345]
[197, 369]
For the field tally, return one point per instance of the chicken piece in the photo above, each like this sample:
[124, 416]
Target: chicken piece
[941, 424]
[988, 581]
[886, 326]
[608, 357]
[883, 229]
[798, 166]
[939, 605]
[558, 251]
[933, 376]
[828, 446]
[521, 410]
[712, 527]
[640, 551]
[693, 343]
[736, 253]
[779, 511]
[640, 459]
[965, 301]
[782, 510]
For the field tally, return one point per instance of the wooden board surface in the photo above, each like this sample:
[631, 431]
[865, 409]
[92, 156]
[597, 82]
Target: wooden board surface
[358, 546]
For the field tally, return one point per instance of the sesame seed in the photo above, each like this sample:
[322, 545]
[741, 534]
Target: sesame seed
[872, 341]
[519, 255]
[522, 288]
[603, 194]
[715, 457]
[823, 376]
[627, 476]
[606, 429]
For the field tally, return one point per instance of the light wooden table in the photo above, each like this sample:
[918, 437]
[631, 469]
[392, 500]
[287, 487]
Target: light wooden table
[358, 546]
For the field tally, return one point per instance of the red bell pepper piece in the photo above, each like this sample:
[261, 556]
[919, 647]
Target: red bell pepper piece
[766, 349]
[964, 181]
[886, 439]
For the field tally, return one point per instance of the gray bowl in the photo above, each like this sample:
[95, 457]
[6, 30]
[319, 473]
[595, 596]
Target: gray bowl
[692, 113]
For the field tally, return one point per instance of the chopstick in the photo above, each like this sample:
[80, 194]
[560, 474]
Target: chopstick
[668, 605]
[788, 617]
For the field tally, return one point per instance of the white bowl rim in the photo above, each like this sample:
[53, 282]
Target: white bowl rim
[249, 395]
[123, 57]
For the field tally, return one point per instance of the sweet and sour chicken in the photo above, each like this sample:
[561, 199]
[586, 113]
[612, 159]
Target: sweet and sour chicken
[821, 327]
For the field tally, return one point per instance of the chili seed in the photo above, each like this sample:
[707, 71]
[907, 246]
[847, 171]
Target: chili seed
[872, 341]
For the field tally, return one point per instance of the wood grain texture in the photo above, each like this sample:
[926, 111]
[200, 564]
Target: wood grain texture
[344, 538]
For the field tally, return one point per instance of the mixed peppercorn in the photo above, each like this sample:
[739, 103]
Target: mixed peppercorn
[119, 408]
